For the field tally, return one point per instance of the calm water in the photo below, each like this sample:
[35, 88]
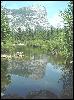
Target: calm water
[36, 75]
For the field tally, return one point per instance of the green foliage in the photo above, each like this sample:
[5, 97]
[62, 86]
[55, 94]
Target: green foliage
[68, 19]
[57, 41]
[68, 27]
[6, 35]
[5, 30]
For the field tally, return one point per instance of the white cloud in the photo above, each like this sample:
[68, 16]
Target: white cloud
[56, 20]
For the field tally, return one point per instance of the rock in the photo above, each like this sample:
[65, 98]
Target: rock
[2, 94]
[31, 16]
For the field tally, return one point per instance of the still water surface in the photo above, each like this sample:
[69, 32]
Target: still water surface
[36, 75]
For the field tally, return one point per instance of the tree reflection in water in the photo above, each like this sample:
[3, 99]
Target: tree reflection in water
[67, 78]
[33, 66]
[5, 77]
[41, 94]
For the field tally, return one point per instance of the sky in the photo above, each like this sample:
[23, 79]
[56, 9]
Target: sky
[53, 9]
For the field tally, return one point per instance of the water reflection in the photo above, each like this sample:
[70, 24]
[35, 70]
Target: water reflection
[5, 77]
[36, 75]
[32, 65]
[34, 68]
[41, 94]
[67, 79]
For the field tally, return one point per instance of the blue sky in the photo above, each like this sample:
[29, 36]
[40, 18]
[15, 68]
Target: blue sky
[52, 7]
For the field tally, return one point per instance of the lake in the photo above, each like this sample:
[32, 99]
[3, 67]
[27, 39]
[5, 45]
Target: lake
[37, 74]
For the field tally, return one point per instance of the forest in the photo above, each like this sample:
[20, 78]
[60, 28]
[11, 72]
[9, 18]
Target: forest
[57, 41]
